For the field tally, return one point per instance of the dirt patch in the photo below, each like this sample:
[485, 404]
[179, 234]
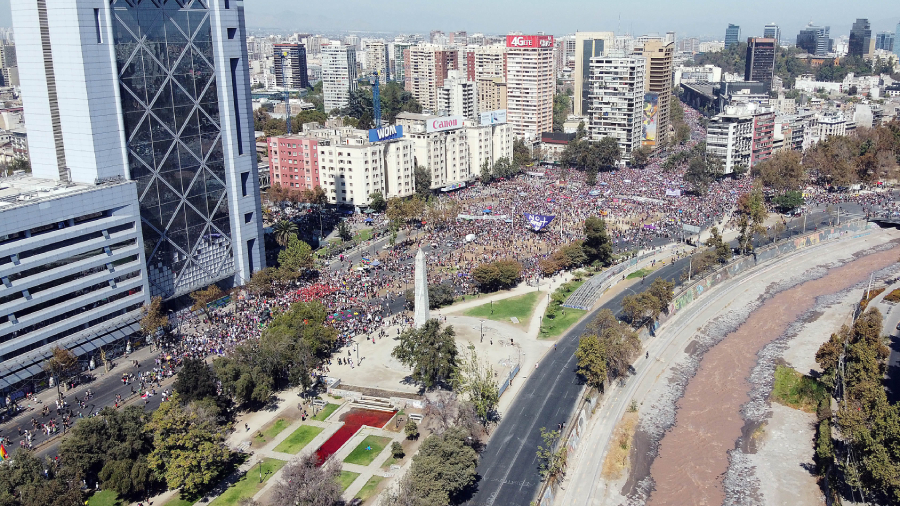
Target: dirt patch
[695, 454]
[618, 459]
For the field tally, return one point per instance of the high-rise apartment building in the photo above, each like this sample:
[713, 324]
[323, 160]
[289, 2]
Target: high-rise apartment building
[491, 94]
[815, 40]
[741, 135]
[292, 57]
[8, 65]
[425, 69]
[459, 39]
[352, 41]
[531, 84]
[377, 59]
[399, 71]
[294, 162]
[732, 35]
[616, 84]
[338, 75]
[658, 80]
[690, 45]
[565, 55]
[772, 31]
[159, 95]
[861, 43]
[760, 64]
[458, 97]
[587, 45]
[486, 62]
[897, 40]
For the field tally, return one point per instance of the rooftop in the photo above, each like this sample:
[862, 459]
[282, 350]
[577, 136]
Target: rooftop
[23, 189]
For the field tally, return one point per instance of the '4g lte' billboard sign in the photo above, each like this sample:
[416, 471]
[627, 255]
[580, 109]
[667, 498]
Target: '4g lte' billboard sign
[529, 41]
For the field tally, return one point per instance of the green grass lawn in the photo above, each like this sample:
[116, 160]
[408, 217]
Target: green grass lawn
[798, 391]
[365, 457]
[178, 501]
[639, 273]
[369, 488]
[363, 235]
[346, 479]
[249, 484]
[555, 327]
[298, 439]
[105, 498]
[391, 461]
[326, 412]
[270, 433]
[521, 306]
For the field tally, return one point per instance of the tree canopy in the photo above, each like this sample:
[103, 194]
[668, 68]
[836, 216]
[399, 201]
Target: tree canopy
[431, 353]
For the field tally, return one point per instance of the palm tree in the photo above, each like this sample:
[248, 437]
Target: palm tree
[284, 229]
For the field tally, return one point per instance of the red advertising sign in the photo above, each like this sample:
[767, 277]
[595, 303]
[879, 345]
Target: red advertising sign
[529, 41]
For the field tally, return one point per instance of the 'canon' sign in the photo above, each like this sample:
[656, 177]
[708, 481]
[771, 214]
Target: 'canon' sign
[444, 123]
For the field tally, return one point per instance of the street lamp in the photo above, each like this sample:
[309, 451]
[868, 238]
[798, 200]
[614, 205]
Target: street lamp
[260, 471]
[482, 330]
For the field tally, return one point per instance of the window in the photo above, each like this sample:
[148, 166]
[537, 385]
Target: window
[235, 64]
[97, 25]
[227, 4]
[231, 31]
[250, 244]
[245, 176]
[248, 217]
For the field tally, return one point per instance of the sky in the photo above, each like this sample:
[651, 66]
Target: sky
[687, 18]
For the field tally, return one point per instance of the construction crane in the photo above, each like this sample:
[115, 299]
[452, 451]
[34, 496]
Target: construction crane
[376, 98]
[287, 94]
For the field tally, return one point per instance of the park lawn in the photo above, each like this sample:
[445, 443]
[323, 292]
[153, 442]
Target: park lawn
[273, 430]
[363, 235]
[369, 488]
[520, 306]
[365, 457]
[797, 391]
[105, 498]
[178, 501]
[346, 479]
[639, 273]
[555, 327]
[298, 439]
[326, 412]
[249, 484]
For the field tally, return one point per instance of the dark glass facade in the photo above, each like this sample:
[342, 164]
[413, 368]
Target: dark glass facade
[170, 107]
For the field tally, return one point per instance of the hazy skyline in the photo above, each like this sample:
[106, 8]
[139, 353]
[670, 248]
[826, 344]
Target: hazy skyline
[696, 18]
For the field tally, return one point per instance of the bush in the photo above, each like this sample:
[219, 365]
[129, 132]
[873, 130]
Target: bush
[411, 429]
[397, 450]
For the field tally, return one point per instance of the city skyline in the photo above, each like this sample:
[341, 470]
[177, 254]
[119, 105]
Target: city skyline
[500, 17]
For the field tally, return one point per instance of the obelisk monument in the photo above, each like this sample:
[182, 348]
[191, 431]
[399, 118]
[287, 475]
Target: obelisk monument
[421, 291]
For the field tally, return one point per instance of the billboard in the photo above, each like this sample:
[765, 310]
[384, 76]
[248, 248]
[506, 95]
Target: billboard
[529, 41]
[444, 123]
[493, 117]
[386, 133]
[650, 120]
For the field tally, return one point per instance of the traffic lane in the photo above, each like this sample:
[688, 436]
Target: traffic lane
[509, 467]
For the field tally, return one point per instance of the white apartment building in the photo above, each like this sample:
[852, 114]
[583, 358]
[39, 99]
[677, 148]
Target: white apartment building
[426, 67]
[531, 84]
[488, 143]
[485, 62]
[458, 97]
[439, 144]
[377, 59]
[740, 135]
[338, 75]
[703, 75]
[617, 100]
[72, 271]
[587, 45]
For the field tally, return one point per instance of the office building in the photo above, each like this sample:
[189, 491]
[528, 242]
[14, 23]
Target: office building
[658, 81]
[399, 73]
[815, 40]
[72, 268]
[897, 40]
[732, 35]
[689, 45]
[352, 41]
[339, 75]
[290, 62]
[587, 45]
[530, 84]
[760, 64]
[352, 168]
[772, 31]
[617, 99]
[140, 103]
[861, 44]
[885, 41]
[458, 97]
[426, 67]
[294, 162]
[378, 59]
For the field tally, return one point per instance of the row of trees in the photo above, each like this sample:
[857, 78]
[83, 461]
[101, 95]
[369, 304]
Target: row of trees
[870, 155]
[644, 309]
[606, 350]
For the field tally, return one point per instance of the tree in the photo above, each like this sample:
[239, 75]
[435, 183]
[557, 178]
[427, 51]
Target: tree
[295, 258]
[715, 241]
[397, 450]
[521, 153]
[783, 172]
[475, 381]
[640, 157]
[261, 281]
[195, 381]
[597, 246]
[411, 429]
[17, 164]
[422, 177]
[560, 111]
[430, 351]
[154, 318]
[608, 153]
[26, 480]
[552, 459]
[203, 298]
[663, 292]
[305, 483]
[344, 232]
[619, 342]
[444, 467]
[752, 214]
[639, 309]
[591, 360]
[486, 171]
[580, 132]
[377, 202]
[505, 168]
[497, 275]
[284, 230]
[790, 200]
[700, 173]
[189, 449]
[61, 365]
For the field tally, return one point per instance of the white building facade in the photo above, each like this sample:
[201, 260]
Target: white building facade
[531, 84]
[339, 75]
[617, 100]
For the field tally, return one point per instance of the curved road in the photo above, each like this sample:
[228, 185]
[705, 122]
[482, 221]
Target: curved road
[509, 467]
